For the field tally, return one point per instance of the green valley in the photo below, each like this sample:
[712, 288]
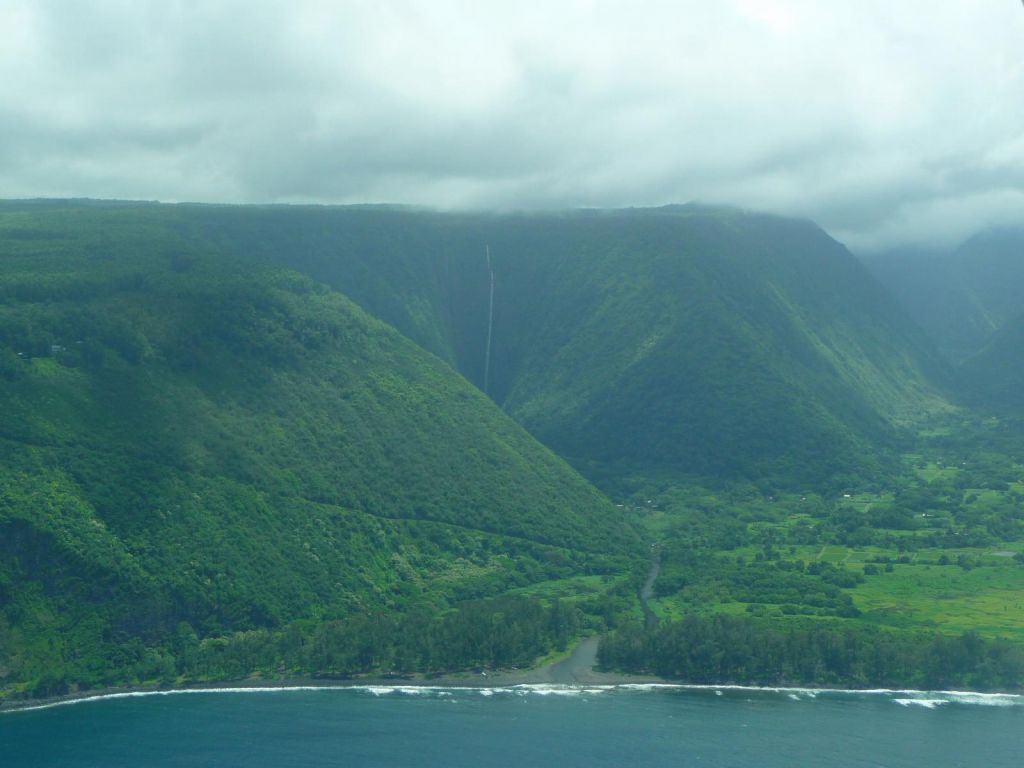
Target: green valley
[687, 341]
[252, 440]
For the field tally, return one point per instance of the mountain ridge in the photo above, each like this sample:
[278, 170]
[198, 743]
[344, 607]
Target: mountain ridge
[614, 278]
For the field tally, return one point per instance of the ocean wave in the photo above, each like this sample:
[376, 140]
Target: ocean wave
[522, 689]
[898, 695]
[902, 697]
[926, 703]
[168, 692]
[555, 689]
[405, 690]
[986, 699]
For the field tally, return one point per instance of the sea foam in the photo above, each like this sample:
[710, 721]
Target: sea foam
[926, 703]
[902, 697]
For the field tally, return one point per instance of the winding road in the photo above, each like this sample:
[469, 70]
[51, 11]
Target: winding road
[647, 592]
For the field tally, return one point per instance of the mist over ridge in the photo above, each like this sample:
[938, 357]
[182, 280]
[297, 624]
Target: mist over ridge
[888, 124]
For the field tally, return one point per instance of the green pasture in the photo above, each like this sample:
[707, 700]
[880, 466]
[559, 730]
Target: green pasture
[988, 599]
[572, 588]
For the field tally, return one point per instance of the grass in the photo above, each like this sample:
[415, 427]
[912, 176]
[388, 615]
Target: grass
[933, 471]
[988, 599]
[572, 588]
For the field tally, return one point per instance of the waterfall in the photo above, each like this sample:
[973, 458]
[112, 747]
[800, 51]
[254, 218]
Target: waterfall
[490, 325]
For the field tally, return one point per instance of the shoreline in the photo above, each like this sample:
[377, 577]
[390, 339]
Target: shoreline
[503, 680]
[381, 686]
[574, 671]
[539, 680]
[576, 668]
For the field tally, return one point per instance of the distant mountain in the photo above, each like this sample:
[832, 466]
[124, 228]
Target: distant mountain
[960, 297]
[994, 378]
[189, 440]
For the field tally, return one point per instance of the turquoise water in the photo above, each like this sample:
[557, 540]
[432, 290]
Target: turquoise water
[523, 726]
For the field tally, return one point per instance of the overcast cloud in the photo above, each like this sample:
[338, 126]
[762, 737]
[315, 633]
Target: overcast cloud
[883, 121]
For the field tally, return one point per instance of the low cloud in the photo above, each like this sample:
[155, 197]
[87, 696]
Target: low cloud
[887, 123]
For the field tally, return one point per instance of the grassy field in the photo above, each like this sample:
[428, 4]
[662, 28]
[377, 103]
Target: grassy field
[987, 597]
[573, 588]
[915, 576]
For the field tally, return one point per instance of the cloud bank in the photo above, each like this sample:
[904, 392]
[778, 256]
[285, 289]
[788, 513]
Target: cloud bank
[884, 122]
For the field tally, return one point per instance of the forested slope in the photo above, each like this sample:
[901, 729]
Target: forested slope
[189, 440]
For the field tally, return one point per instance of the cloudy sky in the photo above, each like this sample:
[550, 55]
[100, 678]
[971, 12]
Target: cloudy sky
[886, 122]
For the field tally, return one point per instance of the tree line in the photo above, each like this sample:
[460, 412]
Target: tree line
[507, 631]
[724, 649]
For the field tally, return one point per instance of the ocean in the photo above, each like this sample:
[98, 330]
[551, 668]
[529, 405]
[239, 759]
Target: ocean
[541, 725]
